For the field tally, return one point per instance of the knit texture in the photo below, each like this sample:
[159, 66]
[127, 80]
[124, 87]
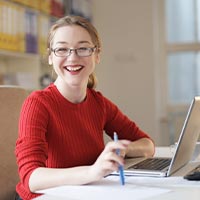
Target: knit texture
[56, 133]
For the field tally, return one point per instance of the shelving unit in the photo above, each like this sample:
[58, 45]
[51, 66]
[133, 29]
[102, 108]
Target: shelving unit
[20, 69]
[24, 25]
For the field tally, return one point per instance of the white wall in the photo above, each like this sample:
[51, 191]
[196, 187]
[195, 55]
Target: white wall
[126, 73]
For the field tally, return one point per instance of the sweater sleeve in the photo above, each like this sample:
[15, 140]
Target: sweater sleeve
[116, 121]
[31, 145]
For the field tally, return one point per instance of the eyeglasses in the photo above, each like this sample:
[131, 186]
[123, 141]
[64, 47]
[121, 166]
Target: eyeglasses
[82, 52]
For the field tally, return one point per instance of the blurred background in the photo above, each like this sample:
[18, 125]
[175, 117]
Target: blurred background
[150, 64]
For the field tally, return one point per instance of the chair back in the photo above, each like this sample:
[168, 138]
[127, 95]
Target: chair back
[11, 99]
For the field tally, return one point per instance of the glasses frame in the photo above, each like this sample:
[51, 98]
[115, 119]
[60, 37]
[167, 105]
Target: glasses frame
[70, 50]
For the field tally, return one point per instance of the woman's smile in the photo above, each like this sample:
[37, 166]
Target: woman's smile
[73, 68]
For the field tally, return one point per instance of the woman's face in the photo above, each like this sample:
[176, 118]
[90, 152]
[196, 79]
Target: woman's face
[73, 69]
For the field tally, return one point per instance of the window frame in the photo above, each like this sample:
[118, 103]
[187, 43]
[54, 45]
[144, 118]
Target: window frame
[169, 113]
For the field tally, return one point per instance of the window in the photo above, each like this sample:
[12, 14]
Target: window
[178, 62]
[183, 48]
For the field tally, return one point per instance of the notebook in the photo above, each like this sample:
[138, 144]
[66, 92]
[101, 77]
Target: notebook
[182, 155]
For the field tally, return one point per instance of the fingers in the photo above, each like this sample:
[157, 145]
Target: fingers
[114, 158]
[109, 160]
[110, 166]
[123, 153]
[113, 146]
[106, 163]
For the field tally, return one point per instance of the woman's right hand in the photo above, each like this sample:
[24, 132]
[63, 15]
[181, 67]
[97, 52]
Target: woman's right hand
[108, 161]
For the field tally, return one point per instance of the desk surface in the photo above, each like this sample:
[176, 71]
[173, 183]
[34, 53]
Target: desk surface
[174, 187]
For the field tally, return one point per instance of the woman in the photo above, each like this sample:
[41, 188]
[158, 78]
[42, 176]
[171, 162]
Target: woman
[61, 127]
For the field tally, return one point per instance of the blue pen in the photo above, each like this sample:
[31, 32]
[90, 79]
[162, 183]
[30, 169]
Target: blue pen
[121, 169]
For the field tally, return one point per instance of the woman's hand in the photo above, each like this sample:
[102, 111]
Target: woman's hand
[108, 161]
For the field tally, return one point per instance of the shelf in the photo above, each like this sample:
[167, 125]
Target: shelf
[23, 38]
[8, 54]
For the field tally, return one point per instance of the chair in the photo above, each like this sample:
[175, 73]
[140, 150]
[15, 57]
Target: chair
[11, 99]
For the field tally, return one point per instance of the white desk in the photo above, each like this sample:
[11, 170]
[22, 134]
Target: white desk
[187, 192]
[178, 194]
[174, 187]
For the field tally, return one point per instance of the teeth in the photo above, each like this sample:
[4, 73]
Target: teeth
[73, 68]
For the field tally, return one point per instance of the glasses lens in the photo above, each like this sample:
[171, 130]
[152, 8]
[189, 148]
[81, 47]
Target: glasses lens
[84, 52]
[61, 52]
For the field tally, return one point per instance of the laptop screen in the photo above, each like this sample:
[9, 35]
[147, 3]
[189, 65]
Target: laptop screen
[188, 137]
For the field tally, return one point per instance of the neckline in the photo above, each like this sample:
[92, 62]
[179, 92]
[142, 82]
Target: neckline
[69, 103]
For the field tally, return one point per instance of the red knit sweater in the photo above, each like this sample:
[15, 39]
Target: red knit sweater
[56, 133]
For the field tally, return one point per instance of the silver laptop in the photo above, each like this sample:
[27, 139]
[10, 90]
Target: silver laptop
[163, 167]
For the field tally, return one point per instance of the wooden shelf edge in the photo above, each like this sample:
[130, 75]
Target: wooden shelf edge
[4, 53]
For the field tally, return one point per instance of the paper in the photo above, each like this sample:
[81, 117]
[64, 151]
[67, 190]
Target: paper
[173, 181]
[109, 187]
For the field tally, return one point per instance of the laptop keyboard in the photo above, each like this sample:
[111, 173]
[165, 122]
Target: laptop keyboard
[152, 164]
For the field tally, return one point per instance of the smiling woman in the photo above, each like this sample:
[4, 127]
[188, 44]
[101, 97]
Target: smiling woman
[77, 55]
[61, 127]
